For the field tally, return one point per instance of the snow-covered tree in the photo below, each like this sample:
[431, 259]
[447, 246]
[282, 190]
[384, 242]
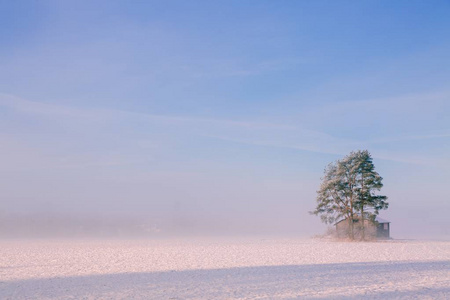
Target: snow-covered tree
[348, 192]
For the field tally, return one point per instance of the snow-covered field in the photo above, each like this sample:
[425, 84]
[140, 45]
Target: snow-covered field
[224, 269]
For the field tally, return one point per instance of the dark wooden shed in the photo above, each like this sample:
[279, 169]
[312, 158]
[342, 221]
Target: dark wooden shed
[383, 228]
[379, 229]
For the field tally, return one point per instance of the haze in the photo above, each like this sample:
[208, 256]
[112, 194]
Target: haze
[218, 117]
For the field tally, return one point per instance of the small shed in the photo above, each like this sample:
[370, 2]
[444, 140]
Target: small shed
[379, 229]
[383, 228]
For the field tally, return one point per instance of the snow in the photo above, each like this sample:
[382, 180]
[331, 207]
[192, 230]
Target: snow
[380, 220]
[223, 269]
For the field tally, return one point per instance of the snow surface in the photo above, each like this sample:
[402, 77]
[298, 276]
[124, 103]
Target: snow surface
[224, 269]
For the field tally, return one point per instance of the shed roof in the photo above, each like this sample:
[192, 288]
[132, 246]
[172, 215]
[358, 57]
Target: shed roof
[378, 219]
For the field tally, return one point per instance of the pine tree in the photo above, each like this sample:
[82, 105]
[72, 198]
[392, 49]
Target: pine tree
[348, 192]
[369, 181]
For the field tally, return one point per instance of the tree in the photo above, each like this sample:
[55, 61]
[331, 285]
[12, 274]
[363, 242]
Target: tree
[348, 191]
[368, 182]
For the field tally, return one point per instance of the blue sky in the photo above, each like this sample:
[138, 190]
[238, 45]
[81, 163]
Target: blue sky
[223, 109]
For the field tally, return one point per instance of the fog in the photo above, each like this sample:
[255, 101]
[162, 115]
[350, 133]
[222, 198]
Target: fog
[160, 206]
[116, 205]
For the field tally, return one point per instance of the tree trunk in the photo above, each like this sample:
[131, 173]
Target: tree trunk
[363, 229]
[352, 232]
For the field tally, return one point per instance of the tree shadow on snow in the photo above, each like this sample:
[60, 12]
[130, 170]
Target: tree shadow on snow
[346, 280]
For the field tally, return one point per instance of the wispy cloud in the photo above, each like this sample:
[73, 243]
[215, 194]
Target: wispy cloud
[387, 108]
[248, 132]
[410, 138]
[39, 108]
[341, 148]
